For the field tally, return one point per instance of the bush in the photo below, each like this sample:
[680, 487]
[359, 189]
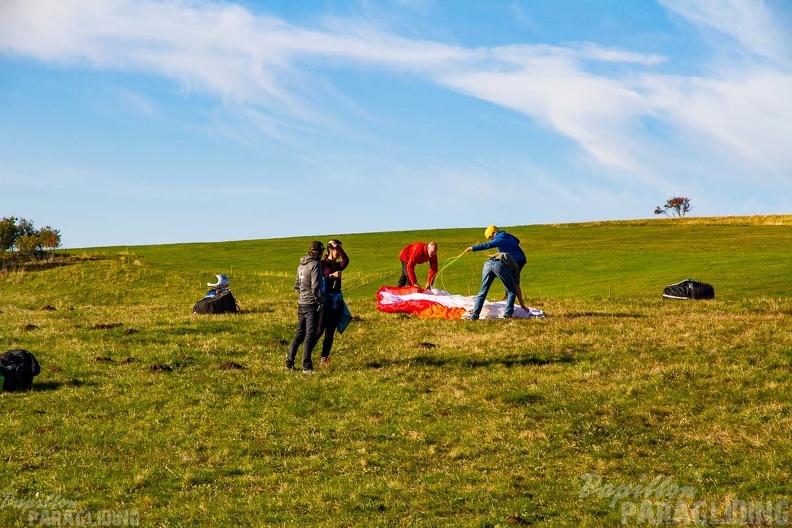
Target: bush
[21, 241]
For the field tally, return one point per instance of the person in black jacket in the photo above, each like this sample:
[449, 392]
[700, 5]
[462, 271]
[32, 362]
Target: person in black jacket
[309, 305]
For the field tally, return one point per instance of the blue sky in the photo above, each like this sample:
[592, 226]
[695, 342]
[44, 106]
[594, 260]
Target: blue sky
[127, 122]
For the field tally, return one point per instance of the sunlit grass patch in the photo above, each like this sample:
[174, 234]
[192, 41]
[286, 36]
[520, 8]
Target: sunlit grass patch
[193, 421]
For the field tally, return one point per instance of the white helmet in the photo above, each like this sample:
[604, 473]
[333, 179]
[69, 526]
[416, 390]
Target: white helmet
[222, 282]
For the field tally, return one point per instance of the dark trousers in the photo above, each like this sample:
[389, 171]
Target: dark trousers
[307, 335]
[403, 280]
[330, 320]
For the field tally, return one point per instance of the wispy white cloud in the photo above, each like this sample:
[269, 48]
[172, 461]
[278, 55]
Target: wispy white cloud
[263, 68]
[750, 22]
[745, 118]
[141, 104]
[220, 49]
[554, 89]
[737, 111]
[591, 51]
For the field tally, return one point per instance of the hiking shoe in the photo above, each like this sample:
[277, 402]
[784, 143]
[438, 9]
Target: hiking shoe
[308, 371]
[468, 316]
[289, 366]
[325, 361]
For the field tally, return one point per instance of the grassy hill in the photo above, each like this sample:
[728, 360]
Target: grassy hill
[740, 256]
[190, 420]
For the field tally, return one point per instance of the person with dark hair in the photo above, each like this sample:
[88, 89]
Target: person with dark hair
[417, 253]
[335, 314]
[309, 305]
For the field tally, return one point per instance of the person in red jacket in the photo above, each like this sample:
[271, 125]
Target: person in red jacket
[418, 253]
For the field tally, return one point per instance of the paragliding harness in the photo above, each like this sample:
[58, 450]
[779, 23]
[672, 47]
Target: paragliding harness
[18, 368]
[218, 299]
[689, 289]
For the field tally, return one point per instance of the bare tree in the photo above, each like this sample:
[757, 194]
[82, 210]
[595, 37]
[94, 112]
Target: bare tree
[676, 206]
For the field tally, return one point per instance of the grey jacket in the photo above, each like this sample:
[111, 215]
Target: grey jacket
[309, 281]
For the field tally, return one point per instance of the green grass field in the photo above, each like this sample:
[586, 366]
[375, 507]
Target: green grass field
[619, 408]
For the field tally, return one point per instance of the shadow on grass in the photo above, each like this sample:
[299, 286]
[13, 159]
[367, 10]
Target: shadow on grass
[506, 361]
[257, 310]
[43, 265]
[48, 386]
[602, 314]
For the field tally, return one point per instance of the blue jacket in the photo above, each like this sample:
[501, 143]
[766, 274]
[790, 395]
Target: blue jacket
[335, 301]
[505, 243]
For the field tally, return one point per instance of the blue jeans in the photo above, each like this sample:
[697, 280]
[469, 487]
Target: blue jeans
[492, 269]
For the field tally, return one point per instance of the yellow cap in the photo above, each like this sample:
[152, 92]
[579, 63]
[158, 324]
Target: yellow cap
[491, 230]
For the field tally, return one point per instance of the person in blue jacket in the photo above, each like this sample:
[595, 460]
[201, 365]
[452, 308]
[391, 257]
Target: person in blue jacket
[505, 243]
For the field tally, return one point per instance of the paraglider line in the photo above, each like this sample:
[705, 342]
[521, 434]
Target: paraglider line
[447, 263]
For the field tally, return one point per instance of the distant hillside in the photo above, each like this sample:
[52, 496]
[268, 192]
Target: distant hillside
[741, 256]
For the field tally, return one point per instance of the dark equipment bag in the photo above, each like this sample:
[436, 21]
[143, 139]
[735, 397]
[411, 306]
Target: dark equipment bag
[221, 302]
[18, 368]
[689, 289]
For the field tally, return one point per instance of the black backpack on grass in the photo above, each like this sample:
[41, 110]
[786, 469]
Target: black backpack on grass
[216, 301]
[689, 289]
[18, 368]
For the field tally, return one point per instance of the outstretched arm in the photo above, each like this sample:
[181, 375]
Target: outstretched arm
[433, 267]
[520, 299]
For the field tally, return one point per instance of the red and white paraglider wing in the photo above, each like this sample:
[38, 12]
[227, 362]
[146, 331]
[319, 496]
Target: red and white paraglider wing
[411, 300]
[440, 304]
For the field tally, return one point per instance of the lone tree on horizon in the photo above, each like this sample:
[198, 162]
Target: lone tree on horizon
[678, 206]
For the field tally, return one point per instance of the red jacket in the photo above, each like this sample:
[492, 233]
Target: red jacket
[418, 253]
